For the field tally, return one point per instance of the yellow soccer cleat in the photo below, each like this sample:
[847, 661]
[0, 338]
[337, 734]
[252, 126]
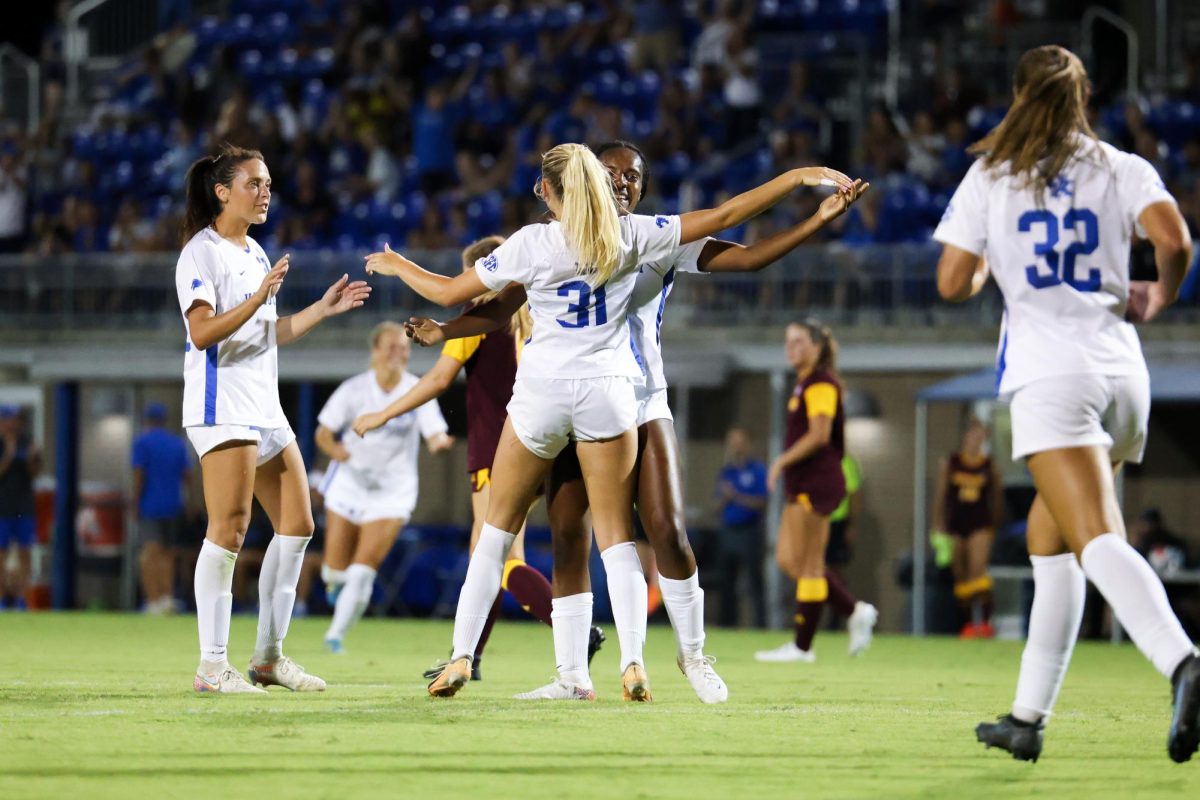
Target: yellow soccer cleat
[452, 678]
[635, 684]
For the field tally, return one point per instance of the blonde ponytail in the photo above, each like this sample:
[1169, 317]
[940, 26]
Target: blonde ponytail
[589, 209]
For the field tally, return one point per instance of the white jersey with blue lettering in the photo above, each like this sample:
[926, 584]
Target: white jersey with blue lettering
[1061, 261]
[655, 280]
[579, 331]
[235, 381]
[389, 453]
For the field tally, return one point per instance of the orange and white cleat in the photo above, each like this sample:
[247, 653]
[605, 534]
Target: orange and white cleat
[453, 677]
[635, 684]
[284, 672]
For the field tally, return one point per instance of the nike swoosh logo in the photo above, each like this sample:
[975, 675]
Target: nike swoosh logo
[210, 686]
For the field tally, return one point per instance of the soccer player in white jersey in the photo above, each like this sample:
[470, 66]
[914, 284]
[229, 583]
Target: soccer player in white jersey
[577, 377]
[1050, 211]
[232, 415]
[370, 488]
[659, 488]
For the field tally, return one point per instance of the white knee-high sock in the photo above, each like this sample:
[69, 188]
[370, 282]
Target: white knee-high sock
[331, 576]
[572, 618]
[353, 601]
[684, 600]
[214, 601]
[627, 594]
[277, 593]
[1059, 589]
[480, 588]
[1138, 600]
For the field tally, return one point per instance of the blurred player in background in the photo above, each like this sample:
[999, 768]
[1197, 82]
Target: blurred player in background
[814, 485]
[370, 488]
[162, 471]
[20, 462]
[232, 415]
[1050, 210]
[490, 360]
[968, 505]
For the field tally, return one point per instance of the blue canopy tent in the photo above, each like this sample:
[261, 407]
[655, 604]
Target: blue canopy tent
[1169, 383]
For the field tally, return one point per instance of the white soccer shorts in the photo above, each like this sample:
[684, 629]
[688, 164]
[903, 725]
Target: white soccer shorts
[271, 441]
[355, 495]
[1081, 411]
[546, 412]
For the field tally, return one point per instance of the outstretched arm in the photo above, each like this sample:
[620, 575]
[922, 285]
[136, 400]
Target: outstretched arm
[736, 210]
[432, 384]
[443, 290]
[482, 319]
[339, 298]
[721, 256]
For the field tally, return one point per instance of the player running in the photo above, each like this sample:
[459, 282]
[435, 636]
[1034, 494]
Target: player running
[370, 488]
[659, 478]
[577, 377]
[1051, 211]
[232, 415]
[814, 485]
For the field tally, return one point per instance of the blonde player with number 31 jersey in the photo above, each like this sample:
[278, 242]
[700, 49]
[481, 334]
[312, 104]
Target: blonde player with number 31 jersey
[1051, 212]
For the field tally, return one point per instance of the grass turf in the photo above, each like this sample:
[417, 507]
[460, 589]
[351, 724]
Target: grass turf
[101, 706]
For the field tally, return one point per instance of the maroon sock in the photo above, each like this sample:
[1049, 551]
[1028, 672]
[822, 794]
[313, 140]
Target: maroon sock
[808, 617]
[839, 596]
[487, 628]
[531, 589]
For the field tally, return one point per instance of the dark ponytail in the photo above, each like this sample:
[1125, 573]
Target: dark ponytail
[201, 205]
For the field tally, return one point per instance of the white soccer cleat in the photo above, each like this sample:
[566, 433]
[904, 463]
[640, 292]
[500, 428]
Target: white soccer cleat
[286, 673]
[557, 689]
[861, 626]
[786, 652]
[698, 668]
[227, 681]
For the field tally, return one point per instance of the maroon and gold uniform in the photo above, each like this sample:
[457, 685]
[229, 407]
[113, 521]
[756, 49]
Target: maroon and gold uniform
[968, 495]
[491, 363]
[817, 482]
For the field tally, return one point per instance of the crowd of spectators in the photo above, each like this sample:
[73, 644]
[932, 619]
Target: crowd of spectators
[388, 120]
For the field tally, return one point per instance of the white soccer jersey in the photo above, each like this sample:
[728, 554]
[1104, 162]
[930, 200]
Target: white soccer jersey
[651, 289]
[580, 331]
[1061, 264]
[235, 381]
[387, 454]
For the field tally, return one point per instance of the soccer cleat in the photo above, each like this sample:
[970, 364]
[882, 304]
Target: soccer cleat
[1184, 736]
[698, 669]
[861, 626]
[286, 673]
[635, 686]
[438, 666]
[332, 590]
[227, 681]
[985, 631]
[557, 689]
[786, 652]
[1022, 739]
[335, 646]
[969, 631]
[452, 677]
[595, 641]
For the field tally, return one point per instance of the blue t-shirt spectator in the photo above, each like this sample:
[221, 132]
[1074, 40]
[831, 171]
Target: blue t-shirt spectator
[748, 478]
[163, 459]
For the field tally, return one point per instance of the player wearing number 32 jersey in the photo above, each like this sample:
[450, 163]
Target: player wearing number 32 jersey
[1050, 210]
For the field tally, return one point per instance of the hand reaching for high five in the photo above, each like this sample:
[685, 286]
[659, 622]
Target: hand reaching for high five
[344, 296]
[425, 332]
[837, 203]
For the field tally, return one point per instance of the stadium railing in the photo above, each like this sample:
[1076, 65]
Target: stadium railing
[891, 285]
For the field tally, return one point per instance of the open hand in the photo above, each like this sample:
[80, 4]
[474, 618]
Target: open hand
[343, 296]
[836, 204]
[425, 332]
[773, 474]
[389, 262]
[824, 176]
[273, 280]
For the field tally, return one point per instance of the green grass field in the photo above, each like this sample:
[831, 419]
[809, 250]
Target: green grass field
[101, 706]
